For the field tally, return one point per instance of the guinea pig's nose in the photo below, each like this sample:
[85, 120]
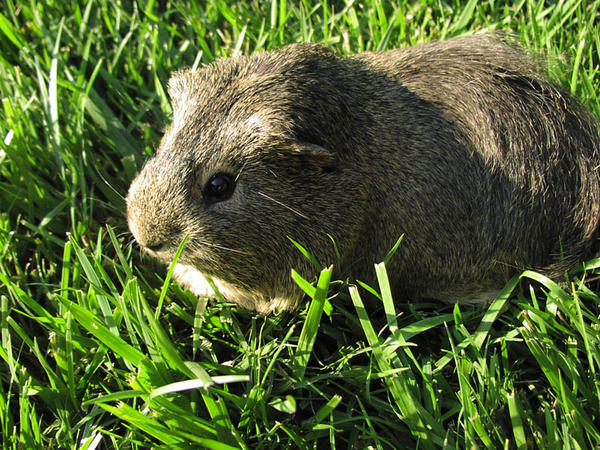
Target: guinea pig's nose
[147, 238]
[160, 238]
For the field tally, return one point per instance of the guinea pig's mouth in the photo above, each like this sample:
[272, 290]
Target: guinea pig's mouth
[162, 249]
[205, 256]
[165, 251]
[156, 249]
[162, 253]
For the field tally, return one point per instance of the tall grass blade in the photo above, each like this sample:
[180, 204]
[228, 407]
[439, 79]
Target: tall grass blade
[316, 264]
[516, 413]
[104, 334]
[429, 433]
[311, 324]
[165, 287]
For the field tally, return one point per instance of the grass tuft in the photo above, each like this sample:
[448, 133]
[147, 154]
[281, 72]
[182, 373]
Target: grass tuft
[99, 349]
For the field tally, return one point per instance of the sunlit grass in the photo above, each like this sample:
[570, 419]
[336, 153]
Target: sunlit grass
[99, 351]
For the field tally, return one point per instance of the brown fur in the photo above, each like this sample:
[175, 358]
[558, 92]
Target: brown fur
[462, 145]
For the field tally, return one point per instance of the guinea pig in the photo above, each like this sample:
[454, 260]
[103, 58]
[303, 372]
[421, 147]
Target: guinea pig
[463, 146]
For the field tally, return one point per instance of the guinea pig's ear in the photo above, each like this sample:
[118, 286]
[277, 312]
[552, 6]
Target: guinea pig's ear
[315, 156]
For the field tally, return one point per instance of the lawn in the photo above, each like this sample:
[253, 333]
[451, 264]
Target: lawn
[100, 350]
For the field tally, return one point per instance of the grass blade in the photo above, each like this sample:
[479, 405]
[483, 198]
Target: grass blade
[516, 413]
[311, 324]
[430, 434]
[163, 291]
[104, 335]
[316, 264]
[327, 409]
[386, 296]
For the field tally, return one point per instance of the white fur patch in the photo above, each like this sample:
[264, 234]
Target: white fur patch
[254, 125]
[195, 281]
[257, 124]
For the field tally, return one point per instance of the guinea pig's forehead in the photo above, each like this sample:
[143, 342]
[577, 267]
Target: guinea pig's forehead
[232, 144]
[247, 127]
[239, 133]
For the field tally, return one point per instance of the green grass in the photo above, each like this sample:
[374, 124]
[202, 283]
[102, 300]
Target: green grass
[97, 352]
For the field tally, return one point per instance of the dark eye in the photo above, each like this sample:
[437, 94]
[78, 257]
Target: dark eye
[220, 187]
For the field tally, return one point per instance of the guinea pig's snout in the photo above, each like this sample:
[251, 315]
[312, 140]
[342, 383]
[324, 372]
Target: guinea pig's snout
[154, 226]
[164, 243]
[153, 232]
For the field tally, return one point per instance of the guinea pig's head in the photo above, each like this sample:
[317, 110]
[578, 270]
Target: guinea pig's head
[252, 157]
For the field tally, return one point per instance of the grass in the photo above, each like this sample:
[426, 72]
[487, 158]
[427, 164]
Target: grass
[97, 351]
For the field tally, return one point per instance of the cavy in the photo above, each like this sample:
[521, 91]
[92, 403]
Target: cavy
[462, 145]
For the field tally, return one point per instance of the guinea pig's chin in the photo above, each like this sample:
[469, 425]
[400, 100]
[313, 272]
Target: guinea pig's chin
[165, 256]
[196, 281]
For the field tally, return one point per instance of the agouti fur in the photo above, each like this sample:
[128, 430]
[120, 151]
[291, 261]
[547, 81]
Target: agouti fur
[462, 145]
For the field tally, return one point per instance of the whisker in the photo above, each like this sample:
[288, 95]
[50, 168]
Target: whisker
[284, 205]
[111, 207]
[109, 185]
[220, 247]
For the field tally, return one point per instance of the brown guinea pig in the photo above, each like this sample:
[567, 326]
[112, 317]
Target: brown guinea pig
[462, 145]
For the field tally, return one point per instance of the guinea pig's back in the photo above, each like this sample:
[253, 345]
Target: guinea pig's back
[536, 148]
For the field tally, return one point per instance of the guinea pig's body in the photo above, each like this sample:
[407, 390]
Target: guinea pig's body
[462, 145]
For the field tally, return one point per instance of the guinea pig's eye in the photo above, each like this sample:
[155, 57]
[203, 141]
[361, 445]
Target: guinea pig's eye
[220, 187]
